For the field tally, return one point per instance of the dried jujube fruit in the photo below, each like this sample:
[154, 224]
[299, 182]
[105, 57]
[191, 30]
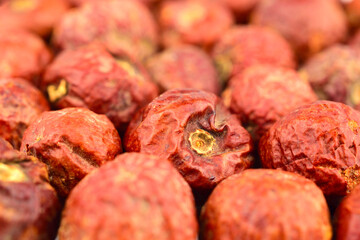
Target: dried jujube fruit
[184, 67]
[348, 217]
[319, 141]
[266, 204]
[138, 196]
[262, 94]
[72, 142]
[29, 206]
[38, 16]
[22, 55]
[199, 22]
[334, 74]
[20, 103]
[193, 130]
[91, 77]
[241, 47]
[124, 27]
[309, 25]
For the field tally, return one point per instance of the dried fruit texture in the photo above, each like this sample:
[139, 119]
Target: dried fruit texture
[193, 130]
[136, 187]
[197, 22]
[38, 16]
[241, 8]
[22, 55]
[319, 141]
[241, 47]
[90, 77]
[124, 27]
[72, 142]
[348, 217]
[263, 94]
[335, 74]
[20, 104]
[4, 146]
[184, 67]
[353, 11]
[29, 205]
[309, 25]
[266, 204]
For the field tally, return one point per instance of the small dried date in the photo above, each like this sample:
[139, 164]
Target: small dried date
[184, 67]
[198, 22]
[334, 74]
[319, 141]
[309, 25]
[38, 16]
[29, 205]
[91, 77]
[262, 94]
[266, 204]
[72, 142]
[22, 55]
[124, 27]
[241, 47]
[20, 103]
[138, 196]
[348, 217]
[193, 130]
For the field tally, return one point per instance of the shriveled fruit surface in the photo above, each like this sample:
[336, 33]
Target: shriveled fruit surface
[266, 204]
[193, 130]
[319, 141]
[138, 196]
[72, 142]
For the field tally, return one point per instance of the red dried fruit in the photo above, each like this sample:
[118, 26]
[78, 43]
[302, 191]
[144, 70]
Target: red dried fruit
[90, 77]
[197, 22]
[334, 74]
[319, 141]
[22, 55]
[309, 25]
[242, 47]
[4, 146]
[193, 130]
[124, 27]
[263, 94]
[20, 104]
[38, 16]
[184, 67]
[348, 217]
[29, 205]
[266, 204]
[140, 197]
[72, 142]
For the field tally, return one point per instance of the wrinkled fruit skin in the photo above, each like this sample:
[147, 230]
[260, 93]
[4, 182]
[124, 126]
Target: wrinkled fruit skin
[184, 67]
[4, 146]
[199, 23]
[262, 94]
[309, 25]
[22, 55]
[90, 77]
[335, 74]
[319, 141]
[140, 197]
[38, 16]
[124, 27]
[29, 205]
[348, 217]
[194, 131]
[72, 142]
[241, 47]
[20, 103]
[266, 204]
